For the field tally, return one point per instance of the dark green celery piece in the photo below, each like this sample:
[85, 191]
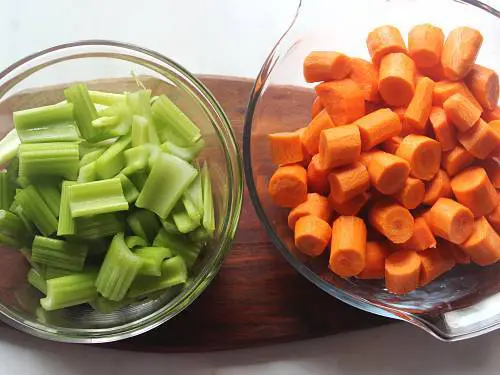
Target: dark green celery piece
[87, 173]
[199, 235]
[208, 203]
[186, 153]
[143, 131]
[59, 159]
[182, 220]
[12, 230]
[152, 258]
[136, 159]
[84, 111]
[23, 182]
[195, 193]
[139, 179]
[91, 156]
[36, 280]
[169, 225]
[36, 210]
[105, 98]
[135, 241]
[50, 194]
[7, 190]
[70, 290]
[58, 253]
[53, 272]
[172, 124]
[112, 161]
[8, 147]
[180, 245]
[129, 190]
[52, 123]
[98, 197]
[118, 119]
[144, 224]
[66, 224]
[106, 306]
[168, 180]
[118, 270]
[98, 226]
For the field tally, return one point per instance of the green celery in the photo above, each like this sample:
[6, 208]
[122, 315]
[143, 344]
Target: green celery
[105, 98]
[105, 306]
[123, 119]
[139, 179]
[129, 190]
[50, 194]
[54, 272]
[195, 194]
[58, 253]
[144, 224]
[98, 197]
[199, 235]
[152, 258]
[172, 124]
[23, 182]
[70, 290]
[169, 225]
[143, 131]
[135, 241]
[106, 121]
[53, 123]
[191, 209]
[83, 110]
[16, 208]
[180, 245]
[66, 224]
[118, 270]
[182, 220]
[36, 210]
[87, 173]
[139, 103]
[7, 190]
[12, 230]
[208, 203]
[168, 180]
[186, 153]
[37, 281]
[98, 226]
[112, 161]
[136, 159]
[8, 147]
[59, 159]
[91, 156]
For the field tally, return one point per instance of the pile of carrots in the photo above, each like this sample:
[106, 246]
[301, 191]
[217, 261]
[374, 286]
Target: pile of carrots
[396, 173]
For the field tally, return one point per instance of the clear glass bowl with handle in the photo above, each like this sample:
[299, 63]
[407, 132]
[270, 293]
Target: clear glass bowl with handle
[38, 80]
[464, 302]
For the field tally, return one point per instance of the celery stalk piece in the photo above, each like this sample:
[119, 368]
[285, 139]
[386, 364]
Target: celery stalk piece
[36, 210]
[191, 209]
[59, 159]
[70, 290]
[195, 194]
[186, 153]
[139, 179]
[122, 119]
[106, 121]
[169, 225]
[91, 156]
[105, 306]
[167, 181]
[23, 182]
[58, 253]
[135, 241]
[118, 270]
[173, 272]
[199, 235]
[7, 190]
[208, 203]
[37, 281]
[50, 194]
[12, 230]
[66, 224]
[53, 123]
[182, 220]
[180, 245]
[144, 224]
[16, 208]
[84, 111]
[143, 131]
[112, 161]
[139, 103]
[105, 98]
[8, 146]
[53, 272]
[87, 173]
[98, 226]
[152, 258]
[136, 159]
[129, 190]
[172, 124]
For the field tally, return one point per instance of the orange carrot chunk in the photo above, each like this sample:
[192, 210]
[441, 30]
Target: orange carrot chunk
[402, 271]
[423, 154]
[288, 186]
[444, 131]
[461, 112]
[473, 189]
[492, 115]
[348, 181]
[315, 205]
[460, 51]
[316, 108]
[422, 237]
[438, 187]
[434, 263]
[391, 145]
[435, 72]
[384, 40]
[365, 74]
[350, 207]
[343, 100]
[392, 220]
[405, 129]
[481, 140]
[326, 66]
[495, 126]
[492, 168]
[456, 252]
[411, 194]
[483, 83]
[317, 177]
[425, 44]
[339, 146]
[396, 82]
[286, 148]
[377, 127]
[420, 106]
[307, 156]
[376, 254]
[312, 235]
[445, 89]
[388, 172]
[450, 220]
[456, 160]
[494, 216]
[310, 136]
[348, 247]
[483, 246]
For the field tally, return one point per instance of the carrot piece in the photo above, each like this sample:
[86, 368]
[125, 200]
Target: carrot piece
[492, 168]
[481, 140]
[420, 106]
[307, 156]
[402, 271]
[435, 72]
[456, 160]
[371, 107]
[348, 181]
[473, 189]
[351, 206]
[434, 263]
[316, 108]
[445, 89]
[348, 247]
[339, 146]
[310, 137]
[326, 66]
[492, 115]
[405, 129]
[444, 131]
[495, 126]
[312, 235]
[494, 216]
[377, 127]
[422, 237]
[450, 220]
[396, 82]
[483, 83]
[388, 172]
[365, 74]
[425, 44]
[391, 145]
[423, 154]
[286, 148]
[288, 186]
[456, 252]
[315, 205]
[411, 194]
[392, 220]
[376, 254]
[483, 246]
[384, 40]
[317, 177]
[438, 187]
[461, 112]
[343, 100]
[460, 51]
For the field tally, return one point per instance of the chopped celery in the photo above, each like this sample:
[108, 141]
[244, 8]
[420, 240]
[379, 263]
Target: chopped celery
[66, 224]
[195, 194]
[172, 124]
[98, 226]
[50, 194]
[58, 253]
[83, 110]
[53, 123]
[70, 290]
[106, 121]
[118, 270]
[152, 258]
[139, 179]
[186, 153]
[169, 225]
[16, 208]
[105, 98]
[112, 161]
[91, 156]
[53, 272]
[122, 119]
[136, 159]
[208, 203]
[12, 230]
[23, 182]
[8, 146]
[144, 224]
[180, 245]
[36, 210]
[139, 103]
[87, 173]
[129, 190]
[37, 281]
[143, 131]
[97, 197]
[199, 235]
[182, 220]
[135, 241]
[191, 209]
[106, 306]
[167, 181]
[7, 190]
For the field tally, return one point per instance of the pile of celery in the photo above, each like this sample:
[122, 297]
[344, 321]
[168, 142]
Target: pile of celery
[104, 198]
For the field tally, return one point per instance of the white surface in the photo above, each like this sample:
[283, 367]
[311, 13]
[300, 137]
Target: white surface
[219, 37]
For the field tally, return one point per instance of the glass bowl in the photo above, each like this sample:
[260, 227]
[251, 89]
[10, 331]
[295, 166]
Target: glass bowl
[39, 80]
[464, 302]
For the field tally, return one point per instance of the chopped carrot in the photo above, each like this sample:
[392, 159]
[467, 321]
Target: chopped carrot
[288, 186]
[376, 254]
[450, 220]
[372, 107]
[384, 40]
[377, 127]
[438, 187]
[339, 146]
[433, 263]
[402, 271]
[348, 181]
[492, 168]
[315, 205]
[444, 131]
[495, 126]
[481, 140]
[310, 137]
[307, 156]
[388, 172]
[435, 72]
[343, 100]
[348, 247]
[445, 89]
[456, 252]
[483, 246]
[473, 189]
[326, 66]
[460, 51]
[286, 148]
[492, 115]
[312, 235]
[391, 145]
[483, 83]
[351, 206]
[494, 216]
[461, 112]
[365, 74]
[405, 129]
[420, 106]
[425, 43]
[392, 220]
[456, 160]
[317, 177]
[422, 237]
[423, 154]
[316, 108]
[411, 194]
[396, 81]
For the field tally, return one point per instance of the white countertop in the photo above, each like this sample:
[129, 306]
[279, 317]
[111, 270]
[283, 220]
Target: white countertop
[230, 37]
